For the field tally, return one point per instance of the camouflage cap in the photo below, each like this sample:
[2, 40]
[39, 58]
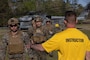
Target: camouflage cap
[13, 21]
[38, 19]
[48, 20]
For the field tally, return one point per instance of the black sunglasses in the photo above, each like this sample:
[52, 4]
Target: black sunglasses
[13, 25]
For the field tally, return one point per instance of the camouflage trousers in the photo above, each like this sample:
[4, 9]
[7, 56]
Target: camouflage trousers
[2, 55]
[16, 56]
[37, 55]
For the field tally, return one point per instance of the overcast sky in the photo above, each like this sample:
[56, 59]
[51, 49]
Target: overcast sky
[83, 2]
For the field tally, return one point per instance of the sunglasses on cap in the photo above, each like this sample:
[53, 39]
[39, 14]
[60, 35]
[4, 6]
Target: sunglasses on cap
[13, 25]
[48, 21]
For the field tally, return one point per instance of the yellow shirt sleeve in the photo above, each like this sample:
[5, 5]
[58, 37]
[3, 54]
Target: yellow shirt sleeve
[51, 44]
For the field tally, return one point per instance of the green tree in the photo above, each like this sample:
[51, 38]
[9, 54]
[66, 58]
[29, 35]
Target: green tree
[88, 9]
[79, 9]
[29, 5]
[54, 7]
[5, 12]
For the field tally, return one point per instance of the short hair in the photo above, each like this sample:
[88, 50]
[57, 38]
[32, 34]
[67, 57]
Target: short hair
[70, 16]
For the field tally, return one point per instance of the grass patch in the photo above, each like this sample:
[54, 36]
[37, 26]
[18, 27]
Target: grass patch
[55, 57]
[87, 32]
[0, 37]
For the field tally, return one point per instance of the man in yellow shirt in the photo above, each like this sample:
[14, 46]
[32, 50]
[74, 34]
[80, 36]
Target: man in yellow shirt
[71, 43]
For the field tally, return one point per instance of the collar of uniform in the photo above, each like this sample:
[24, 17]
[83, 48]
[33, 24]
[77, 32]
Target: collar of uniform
[16, 33]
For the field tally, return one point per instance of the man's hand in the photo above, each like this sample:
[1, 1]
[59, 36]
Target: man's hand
[37, 47]
[88, 55]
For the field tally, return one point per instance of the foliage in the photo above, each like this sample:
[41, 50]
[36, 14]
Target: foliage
[50, 7]
[58, 7]
[54, 7]
[5, 12]
[79, 9]
[88, 8]
[29, 5]
[89, 15]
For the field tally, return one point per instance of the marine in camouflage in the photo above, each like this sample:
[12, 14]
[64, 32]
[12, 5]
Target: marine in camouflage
[14, 42]
[37, 35]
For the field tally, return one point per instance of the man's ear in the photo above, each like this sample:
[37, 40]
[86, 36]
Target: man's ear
[76, 21]
[65, 21]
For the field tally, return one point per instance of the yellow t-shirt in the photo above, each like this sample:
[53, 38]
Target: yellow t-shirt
[71, 44]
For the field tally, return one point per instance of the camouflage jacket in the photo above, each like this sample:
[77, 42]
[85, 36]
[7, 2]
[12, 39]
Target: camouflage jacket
[37, 33]
[50, 30]
[5, 40]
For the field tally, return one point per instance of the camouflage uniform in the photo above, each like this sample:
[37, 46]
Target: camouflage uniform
[49, 28]
[37, 35]
[1, 50]
[15, 51]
